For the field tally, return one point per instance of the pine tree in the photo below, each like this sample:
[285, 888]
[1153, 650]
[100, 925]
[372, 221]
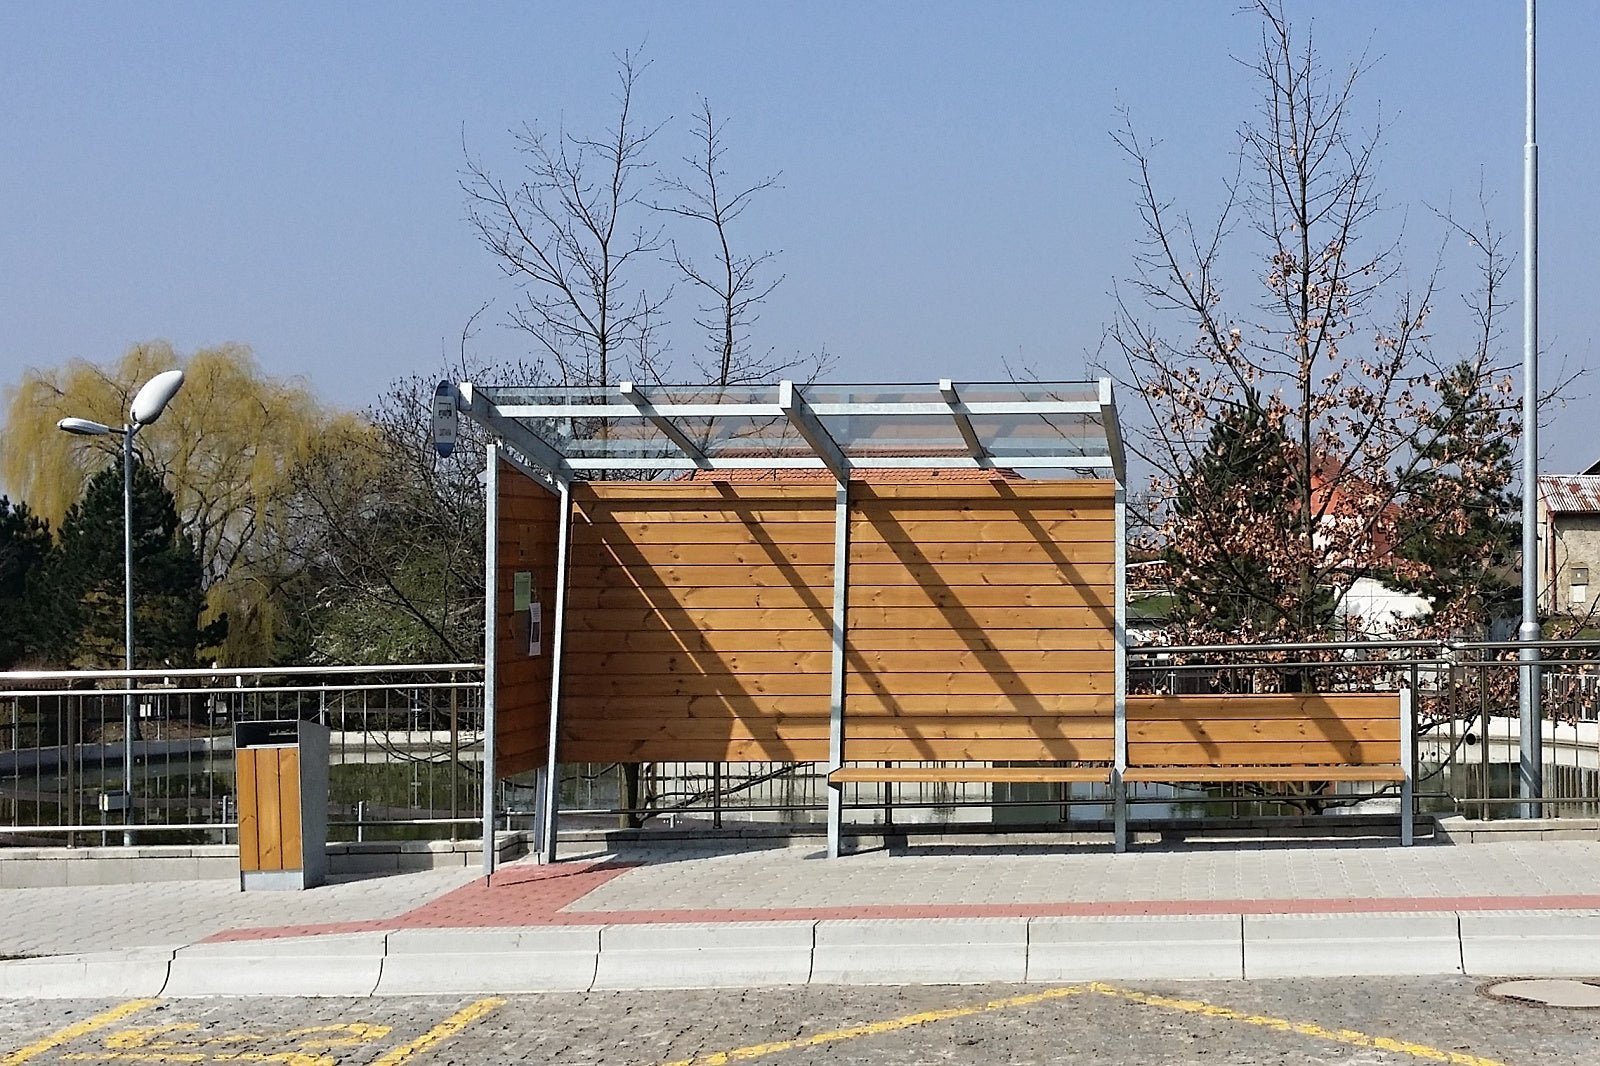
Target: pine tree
[24, 551]
[1457, 529]
[1232, 515]
[87, 579]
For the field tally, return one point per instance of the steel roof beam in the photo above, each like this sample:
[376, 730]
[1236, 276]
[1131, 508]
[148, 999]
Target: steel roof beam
[1113, 431]
[539, 454]
[958, 412]
[806, 423]
[631, 393]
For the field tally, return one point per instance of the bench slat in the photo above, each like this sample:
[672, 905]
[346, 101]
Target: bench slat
[1265, 773]
[990, 774]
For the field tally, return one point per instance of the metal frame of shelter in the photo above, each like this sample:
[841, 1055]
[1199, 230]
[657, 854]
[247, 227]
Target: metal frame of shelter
[558, 435]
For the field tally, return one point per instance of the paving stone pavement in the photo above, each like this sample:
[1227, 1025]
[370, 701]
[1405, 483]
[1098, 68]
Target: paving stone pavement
[738, 881]
[796, 878]
[111, 917]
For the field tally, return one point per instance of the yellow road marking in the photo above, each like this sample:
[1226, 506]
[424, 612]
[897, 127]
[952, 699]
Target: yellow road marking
[443, 1031]
[72, 1032]
[755, 1051]
[1338, 1036]
[1349, 1037]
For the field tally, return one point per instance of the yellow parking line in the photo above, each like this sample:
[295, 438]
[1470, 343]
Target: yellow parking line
[756, 1051]
[443, 1031]
[72, 1032]
[1349, 1037]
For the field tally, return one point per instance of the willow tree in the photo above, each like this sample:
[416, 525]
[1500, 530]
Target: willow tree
[225, 447]
[1322, 335]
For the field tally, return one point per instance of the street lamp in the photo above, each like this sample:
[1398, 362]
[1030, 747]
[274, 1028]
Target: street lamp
[148, 403]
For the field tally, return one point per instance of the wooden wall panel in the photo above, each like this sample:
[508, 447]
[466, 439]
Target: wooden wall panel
[980, 622]
[699, 622]
[1288, 729]
[527, 540]
[699, 618]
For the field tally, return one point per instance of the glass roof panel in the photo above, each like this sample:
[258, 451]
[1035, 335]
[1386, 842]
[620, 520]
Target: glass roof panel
[743, 424]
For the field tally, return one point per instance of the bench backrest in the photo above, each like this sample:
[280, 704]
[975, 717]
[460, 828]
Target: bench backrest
[1288, 729]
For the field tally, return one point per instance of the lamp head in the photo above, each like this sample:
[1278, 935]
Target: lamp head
[153, 398]
[83, 427]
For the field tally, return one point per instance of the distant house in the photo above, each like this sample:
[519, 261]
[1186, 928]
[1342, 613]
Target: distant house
[1569, 541]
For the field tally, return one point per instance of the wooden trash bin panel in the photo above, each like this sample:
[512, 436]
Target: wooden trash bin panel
[281, 789]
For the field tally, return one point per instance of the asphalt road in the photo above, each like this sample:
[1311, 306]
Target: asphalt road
[1304, 1022]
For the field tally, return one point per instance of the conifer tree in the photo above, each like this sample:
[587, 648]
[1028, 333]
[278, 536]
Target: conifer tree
[86, 581]
[24, 550]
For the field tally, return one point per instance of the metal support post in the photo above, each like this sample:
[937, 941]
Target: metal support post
[538, 810]
[558, 631]
[1408, 747]
[841, 581]
[129, 714]
[491, 602]
[1119, 790]
[1531, 732]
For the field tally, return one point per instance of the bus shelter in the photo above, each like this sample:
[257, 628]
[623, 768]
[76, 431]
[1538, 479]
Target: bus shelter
[902, 582]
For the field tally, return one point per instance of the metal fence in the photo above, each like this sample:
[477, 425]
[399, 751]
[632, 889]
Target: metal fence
[405, 747]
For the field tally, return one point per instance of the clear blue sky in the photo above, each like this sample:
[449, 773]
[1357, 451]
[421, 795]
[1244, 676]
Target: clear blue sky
[286, 175]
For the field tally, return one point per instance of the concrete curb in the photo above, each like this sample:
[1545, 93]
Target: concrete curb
[864, 951]
[1351, 945]
[1537, 943]
[928, 951]
[438, 961]
[298, 966]
[1187, 947]
[731, 955]
[137, 973]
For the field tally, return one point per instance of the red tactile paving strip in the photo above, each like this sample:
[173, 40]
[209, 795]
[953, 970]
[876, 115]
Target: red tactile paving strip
[541, 895]
[524, 896]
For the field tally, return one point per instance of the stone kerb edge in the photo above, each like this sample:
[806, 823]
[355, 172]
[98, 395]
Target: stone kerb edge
[920, 951]
[709, 955]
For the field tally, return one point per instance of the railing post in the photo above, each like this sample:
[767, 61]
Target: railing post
[716, 795]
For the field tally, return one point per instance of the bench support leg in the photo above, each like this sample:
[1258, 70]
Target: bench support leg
[835, 817]
[1408, 765]
[1119, 814]
[1408, 811]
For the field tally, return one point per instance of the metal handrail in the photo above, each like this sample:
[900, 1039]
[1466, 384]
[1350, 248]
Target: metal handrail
[239, 671]
[152, 690]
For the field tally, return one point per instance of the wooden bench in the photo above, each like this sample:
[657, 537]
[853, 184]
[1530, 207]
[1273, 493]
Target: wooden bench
[1270, 739]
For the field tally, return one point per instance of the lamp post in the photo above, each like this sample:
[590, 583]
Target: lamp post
[1530, 770]
[151, 399]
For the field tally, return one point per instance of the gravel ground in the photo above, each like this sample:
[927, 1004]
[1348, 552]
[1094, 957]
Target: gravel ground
[1303, 1022]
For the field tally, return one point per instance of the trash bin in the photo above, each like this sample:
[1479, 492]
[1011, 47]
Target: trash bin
[281, 782]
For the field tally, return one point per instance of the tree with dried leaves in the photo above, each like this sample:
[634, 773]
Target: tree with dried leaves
[1332, 357]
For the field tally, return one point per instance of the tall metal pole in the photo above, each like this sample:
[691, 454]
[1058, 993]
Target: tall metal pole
[128, 717]
[491, 608]
[1531, 734]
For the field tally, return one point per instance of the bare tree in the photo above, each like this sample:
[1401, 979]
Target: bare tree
[732, 285]
[1333, 358]
[572, 232]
